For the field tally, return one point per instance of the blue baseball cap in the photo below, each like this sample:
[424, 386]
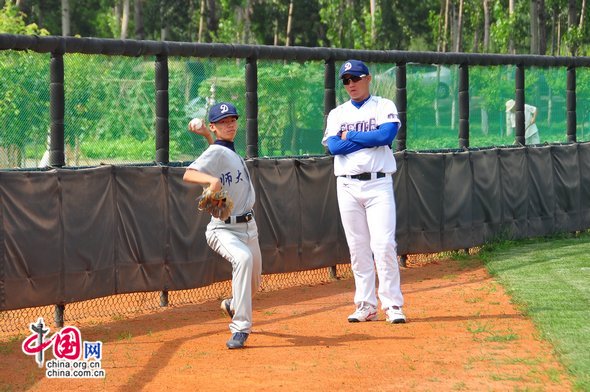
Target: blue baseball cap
[221, 111]
[354, 68]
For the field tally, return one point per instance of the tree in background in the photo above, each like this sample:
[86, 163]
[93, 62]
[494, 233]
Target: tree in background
[490, 26]
[576, 30]
[23, 100]
[65, 18]
[13, 21]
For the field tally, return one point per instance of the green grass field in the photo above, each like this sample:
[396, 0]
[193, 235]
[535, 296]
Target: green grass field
[549, 279]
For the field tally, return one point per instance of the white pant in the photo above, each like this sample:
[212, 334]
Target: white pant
[238, 243]
[367, 209]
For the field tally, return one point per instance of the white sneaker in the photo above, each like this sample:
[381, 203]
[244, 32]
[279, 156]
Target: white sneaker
[395, 315]
[364, 312]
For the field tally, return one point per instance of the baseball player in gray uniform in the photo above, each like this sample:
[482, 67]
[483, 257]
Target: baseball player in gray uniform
[236, 239]
[359, 134]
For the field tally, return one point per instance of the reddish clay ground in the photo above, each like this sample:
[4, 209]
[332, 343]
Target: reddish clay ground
[463, 334]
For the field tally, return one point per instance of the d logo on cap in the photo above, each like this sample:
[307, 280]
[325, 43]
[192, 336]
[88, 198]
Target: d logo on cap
[347, 66]
[221, 111]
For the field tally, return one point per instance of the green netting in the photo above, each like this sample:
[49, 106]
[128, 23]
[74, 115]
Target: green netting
[290, 96]
[110, 105]
[109, 113]
[583, 104]
[195, 85]
[433, 112]
[291, 108]
[24, 108]
[429, 102]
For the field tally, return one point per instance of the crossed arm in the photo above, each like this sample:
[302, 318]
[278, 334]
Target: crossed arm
[350, 141]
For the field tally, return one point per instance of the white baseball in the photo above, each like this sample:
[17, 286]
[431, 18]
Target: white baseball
[196, 123]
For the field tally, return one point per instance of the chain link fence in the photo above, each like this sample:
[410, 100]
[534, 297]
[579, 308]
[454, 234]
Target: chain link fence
[15, 323]
[110, 112]
[433, 111]
[110, 119]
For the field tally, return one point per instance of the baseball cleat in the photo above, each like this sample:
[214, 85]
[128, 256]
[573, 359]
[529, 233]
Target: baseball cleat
[364, 312]
[395, 315]
[226, 308]
[237, 340]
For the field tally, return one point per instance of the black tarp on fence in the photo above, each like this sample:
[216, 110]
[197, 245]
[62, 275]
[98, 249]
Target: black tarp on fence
[75, 234]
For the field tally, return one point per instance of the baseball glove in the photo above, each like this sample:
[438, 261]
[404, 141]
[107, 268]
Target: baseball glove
[218, 204]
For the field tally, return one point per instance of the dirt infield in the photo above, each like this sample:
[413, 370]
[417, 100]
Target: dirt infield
[463, 334]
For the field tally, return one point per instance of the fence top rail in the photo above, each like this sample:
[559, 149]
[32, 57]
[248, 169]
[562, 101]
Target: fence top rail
[134, 48]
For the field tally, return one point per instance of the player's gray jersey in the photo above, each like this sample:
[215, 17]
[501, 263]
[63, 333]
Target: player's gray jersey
[223, 163]
[346, 117]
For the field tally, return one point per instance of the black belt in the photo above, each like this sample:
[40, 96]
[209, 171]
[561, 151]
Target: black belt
[365, 176]
[247, 217]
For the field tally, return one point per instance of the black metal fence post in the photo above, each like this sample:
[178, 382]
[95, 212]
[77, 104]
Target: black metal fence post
[403, 260]
[571, 104]
[57, 110]
[164, 300]
[329, 104]
[329, 88]
[251, 75]
[401, 102]
[463, 106]
[519, 98]
[162, 110]
[58, 314]
[162, 124]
